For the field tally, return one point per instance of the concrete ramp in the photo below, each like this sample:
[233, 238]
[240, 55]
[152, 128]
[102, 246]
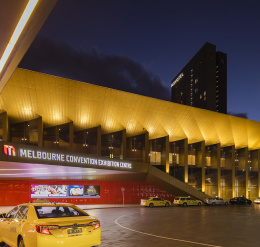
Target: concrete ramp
[172, 185]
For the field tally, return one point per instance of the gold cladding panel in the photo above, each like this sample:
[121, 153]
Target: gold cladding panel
[29, 94]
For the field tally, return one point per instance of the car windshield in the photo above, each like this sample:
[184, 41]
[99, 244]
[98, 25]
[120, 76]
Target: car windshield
[58, 212]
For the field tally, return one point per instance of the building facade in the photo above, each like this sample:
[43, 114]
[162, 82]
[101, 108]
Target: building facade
[65, 132]
[61, 134]
[202, 82]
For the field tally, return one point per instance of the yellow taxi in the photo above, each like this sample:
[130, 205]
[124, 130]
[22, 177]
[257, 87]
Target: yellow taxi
[49, 224]
[186, 201]
[155, 202]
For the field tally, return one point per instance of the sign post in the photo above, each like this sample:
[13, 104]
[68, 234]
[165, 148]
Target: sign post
[123, 190]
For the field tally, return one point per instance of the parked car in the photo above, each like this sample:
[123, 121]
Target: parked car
[240, 201]
[186, 201]
[215, 201]
[49, 224]
[257, 200]
[155, 202]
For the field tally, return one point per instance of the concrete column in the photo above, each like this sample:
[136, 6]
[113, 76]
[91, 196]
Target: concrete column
[99, 140]
[258, 178]
[203, 163]
[146, 148]
[186, 168]
[40, 132]
[167, 152]
[123, 145]
[151, 148]
[219, 168]
[233, 171]
[247, 171]
[71, 135]
[5, 136]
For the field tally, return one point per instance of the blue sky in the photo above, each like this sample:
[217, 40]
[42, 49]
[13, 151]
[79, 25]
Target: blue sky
[163, 35]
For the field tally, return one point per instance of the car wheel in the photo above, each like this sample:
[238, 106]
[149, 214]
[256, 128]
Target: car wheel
[199, 204]
[184, 204]
[151, 205]
[21, 243]
[249, 203]
[167, 204]
[213, 204]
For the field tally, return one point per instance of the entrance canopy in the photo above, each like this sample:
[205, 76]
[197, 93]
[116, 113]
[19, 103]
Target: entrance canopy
[20, 21]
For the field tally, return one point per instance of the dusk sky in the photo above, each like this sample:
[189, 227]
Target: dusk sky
[140, 46]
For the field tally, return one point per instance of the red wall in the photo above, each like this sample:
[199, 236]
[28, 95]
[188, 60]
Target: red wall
[18, 191]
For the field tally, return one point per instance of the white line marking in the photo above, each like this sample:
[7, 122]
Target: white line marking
[149, 234]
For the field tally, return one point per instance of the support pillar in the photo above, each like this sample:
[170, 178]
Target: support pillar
[186, 168]
[203, 162]
[151, 149]
[146, 148]
[123, 145]
[99, 140]
[219, 169]
[167, 152]
[247, 171]
[5, 136]
[233, 171]
[40, 132]
[71, 135]
[258, 177]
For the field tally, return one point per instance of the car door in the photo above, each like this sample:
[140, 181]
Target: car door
[6, 224]
[221, 201]
[17, 224]
[156, 202]
[193, 201]
[161, 201]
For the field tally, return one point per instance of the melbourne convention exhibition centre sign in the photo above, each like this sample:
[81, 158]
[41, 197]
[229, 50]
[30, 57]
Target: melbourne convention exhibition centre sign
[32, 154]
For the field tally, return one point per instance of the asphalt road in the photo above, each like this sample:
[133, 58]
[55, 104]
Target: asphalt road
[219, 226]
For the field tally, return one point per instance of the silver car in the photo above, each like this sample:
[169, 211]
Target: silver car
[215, 201]
[257, 200]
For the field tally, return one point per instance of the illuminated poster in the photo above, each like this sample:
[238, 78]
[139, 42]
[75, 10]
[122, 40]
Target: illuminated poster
[64, 191]
[92, 191]
[76, 190]
[43, 191]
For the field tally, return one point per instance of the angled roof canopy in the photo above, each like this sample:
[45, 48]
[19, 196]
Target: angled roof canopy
[31, 94]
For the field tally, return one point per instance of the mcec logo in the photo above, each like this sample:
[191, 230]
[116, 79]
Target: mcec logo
[9, 150]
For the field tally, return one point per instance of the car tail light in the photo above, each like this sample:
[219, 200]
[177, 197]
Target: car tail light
[45, 229]
[96, 224]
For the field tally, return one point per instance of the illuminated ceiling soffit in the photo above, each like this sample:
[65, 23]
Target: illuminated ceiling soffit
[20, 21]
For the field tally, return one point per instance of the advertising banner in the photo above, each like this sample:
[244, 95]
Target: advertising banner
[64, 191]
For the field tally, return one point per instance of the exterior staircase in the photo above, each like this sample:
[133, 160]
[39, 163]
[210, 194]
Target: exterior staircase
[172, 185]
